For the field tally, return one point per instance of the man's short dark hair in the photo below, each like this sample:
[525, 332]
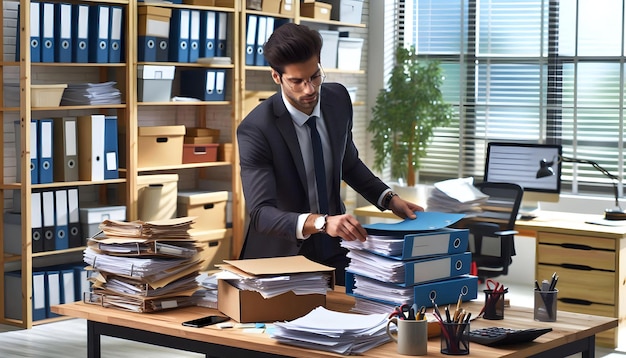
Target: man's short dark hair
[291, 43]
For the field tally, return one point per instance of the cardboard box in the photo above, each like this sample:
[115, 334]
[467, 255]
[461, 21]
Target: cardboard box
[157, 196]
[316, 10]
[199, 153]
[209, 208]
[202, 132]
[348, 11]
[349, 53]
[330, 43]
[46, 95]
[214, 246]
[249, 306]
[254, 5]
[154, 83]
[197, 140]
[225, 152]
[253, 98]
[160, 146]
[288, 7]
[153, 21]
[91, 218]
[271, 6]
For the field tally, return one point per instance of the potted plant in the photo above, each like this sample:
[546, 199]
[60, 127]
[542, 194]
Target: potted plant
[406, 114]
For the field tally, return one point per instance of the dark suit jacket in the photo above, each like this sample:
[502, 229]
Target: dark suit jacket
[273, 176]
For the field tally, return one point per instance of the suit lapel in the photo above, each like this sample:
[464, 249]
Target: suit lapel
[285, 126]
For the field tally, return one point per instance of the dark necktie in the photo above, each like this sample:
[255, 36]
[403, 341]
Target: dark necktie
[320, 169]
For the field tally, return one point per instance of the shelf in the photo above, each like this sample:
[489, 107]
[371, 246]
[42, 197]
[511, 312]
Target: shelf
[67, 108]
[186, 6]
[184, 166]
[186, 103]
[187, 64]
[330, 22]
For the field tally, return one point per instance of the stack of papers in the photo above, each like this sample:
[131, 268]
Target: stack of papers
[342, 333]
[207, 294]
[79, 94]
[138, 269]
[456, 196]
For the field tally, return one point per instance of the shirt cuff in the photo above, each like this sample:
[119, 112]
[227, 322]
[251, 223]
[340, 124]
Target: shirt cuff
[381, 197]
[300, 226]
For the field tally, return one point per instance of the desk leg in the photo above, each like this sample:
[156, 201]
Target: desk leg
[93, 340]
[585, 346]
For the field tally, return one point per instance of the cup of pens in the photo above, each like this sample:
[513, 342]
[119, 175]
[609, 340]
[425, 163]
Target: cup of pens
[455, 338]
[546, 297]
[494, 300]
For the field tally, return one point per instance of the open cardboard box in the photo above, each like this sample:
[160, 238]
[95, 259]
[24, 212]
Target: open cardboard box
[249, 306]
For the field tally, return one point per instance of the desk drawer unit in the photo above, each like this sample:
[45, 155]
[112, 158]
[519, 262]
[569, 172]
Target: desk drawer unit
[588, 270]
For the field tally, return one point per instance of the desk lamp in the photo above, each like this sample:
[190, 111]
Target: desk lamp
[545, 170]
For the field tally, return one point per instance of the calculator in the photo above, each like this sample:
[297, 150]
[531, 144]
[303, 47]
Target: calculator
[496, 336]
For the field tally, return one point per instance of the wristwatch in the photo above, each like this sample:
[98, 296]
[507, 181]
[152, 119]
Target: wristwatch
[387, 199]
[320, 223]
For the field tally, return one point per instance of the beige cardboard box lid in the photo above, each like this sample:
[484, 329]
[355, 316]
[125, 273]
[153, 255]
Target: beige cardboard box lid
[201, 197]
[154, 10]
[155, 131]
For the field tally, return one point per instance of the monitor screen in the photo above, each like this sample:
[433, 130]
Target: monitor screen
[519, 162]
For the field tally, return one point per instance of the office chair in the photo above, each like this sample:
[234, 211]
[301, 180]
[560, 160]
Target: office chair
[492, 230]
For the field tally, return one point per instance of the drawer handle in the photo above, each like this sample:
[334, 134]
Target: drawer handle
[577, 246]
[577, 267]
[576, 301]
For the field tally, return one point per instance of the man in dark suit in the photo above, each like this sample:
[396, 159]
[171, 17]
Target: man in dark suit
[295, 148]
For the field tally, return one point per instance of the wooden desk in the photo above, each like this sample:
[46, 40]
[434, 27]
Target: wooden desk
[572, 333]
[589, 259]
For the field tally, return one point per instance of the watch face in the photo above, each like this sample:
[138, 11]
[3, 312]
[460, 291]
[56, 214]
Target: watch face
[319, 223]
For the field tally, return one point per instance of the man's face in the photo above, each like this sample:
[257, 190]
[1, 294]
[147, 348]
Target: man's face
[300, 84]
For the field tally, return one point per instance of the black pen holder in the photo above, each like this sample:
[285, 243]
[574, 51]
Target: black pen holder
[455, 338]
[545, 305]
[494, 304]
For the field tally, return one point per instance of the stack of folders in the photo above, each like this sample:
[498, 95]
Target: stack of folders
[419, 261]
[342, 333]
[456, 196]
[207, 294]
[143, 266]
[78, 94]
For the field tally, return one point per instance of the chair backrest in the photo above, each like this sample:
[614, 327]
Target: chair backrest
[503, 204]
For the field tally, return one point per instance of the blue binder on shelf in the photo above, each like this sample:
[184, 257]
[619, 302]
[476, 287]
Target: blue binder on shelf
[39, 295]
[251, 29]
[81, 283]
[61, 235]
[35, 33]
[110, 148]
[194, 36]
[36, 223]
[73, 219]
[222, 29]
[207, 33]
[99, 33]
[34, 144]
[179, 35]
[269, 30]
[205, 85]
[259, 59]
[68, 293]
[53, 291]
[115, 34]
[80, 33]
[421, 244]
[45, 136]
[48, 220]
[47, 32]
[63, 32]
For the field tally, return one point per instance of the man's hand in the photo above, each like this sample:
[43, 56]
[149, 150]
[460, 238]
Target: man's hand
[346, 227]
[404, 209]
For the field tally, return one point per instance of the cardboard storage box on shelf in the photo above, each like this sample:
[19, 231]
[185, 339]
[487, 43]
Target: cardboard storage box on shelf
[271, 6]
[225, 152]
[348, 11]
[46, 95]
[200, 153]
[91, 218]
[316, 10]
[160, 145]
[249, 306]
[148, 15]
[288, 7]
[349, 53]
[201, 136]
[215, 245]
[157, 196]
[254, 5]
[154, 83]
[209, 208]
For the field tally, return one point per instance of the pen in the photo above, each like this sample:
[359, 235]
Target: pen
[447, 309]
[537, 288]
[553, 283]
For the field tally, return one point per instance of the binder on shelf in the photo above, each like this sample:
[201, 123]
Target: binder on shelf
[222, 28]
[39, 295]
[35, 32]
[63, 32]
[53, 291]
[61, 236]
[81, 282]
[269, 30]
[207, 34]
[203, 84]
[194, 36]
[65, 149]
[153, 32]
[91, 147]
[179, 35]
[115, 34]
[73, 219]
[99, 33]
[259, 59]
[36, 222]
[80, 33]
[220, 82]
[251, 29]
[44, 146]
[47, 32]
[34, 162]
[68, 292]
[47, 217]
[111, 170]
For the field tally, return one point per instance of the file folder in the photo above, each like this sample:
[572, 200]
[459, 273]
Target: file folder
[39, 295]
[146, 49]
[35, 32]
[220, 82]
[81, 282]
[423, 244]
[73, 218]
[99, 33]
[269, 30]
[110, 148]
[179, 35]
[194, 36]
[53, 291]
[63, 32]
[447, 291]
[259, 59]
[61, 237]
[205, 85]
[48, 217]
[65, 149]
[91, 147]
[207, 34]
[47, 32]
[34, 162]
[222, 28]
[80, 33]
[44, 135]
[251, 28]
[115, 34]
[36, 223]
[68, 292]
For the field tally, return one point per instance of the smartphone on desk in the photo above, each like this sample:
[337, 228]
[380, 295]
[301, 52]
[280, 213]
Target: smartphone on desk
[205, 321]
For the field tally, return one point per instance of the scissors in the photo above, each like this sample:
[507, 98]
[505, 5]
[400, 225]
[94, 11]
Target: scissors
[403, 312]
[494, 286]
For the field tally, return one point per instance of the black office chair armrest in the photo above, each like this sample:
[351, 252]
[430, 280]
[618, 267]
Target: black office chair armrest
[506, 232]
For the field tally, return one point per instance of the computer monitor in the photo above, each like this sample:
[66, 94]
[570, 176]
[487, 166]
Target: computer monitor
[518, 163]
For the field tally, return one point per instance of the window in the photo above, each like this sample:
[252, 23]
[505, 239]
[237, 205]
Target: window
[536, 71]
